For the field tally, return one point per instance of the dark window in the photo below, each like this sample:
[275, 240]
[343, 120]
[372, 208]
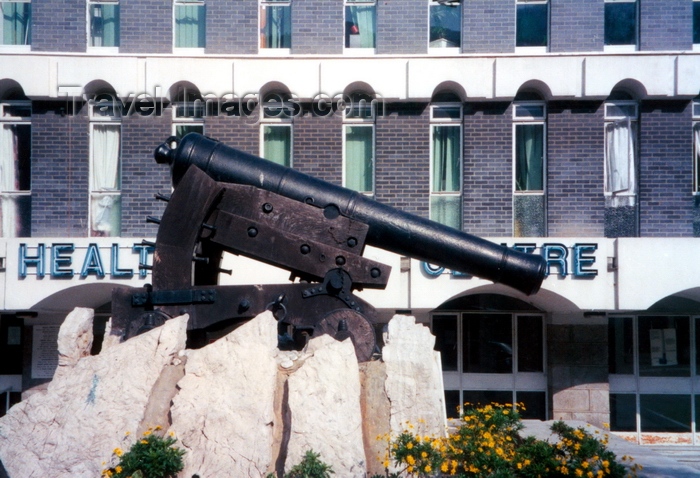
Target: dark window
[664, 413]
[623, 412]
[488, 343]
[530, 344]
[445, 332]
[696, 22]
[621, 23]
[445, 24]
[531, 24]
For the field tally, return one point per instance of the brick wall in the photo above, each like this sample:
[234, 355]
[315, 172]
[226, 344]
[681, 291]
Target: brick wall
[403, 158]
[576, 25]
[666, 169]
[232, 27]
[60, 167]
[666, 25]
[402, 27]
[488, 166]
[488, 26]
[575, 149]
[317, 27]
[59, 25]
[146, 26]
[238, 132]
[141, 176]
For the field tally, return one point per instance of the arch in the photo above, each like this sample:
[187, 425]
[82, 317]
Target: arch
[57, 305]
[683, 302]
[274, 87]
[447, 89]
[11, 90]
[359, 87]
[96, 87]
[545, 300]
[534, 90]
[633, 89]
[184, 90]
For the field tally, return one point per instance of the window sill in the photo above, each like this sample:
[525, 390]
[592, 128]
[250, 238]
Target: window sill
[103, 50]
[620, 48]
[274, 51]
[531, 50]
[15, 48]
[359, 51]
[696, 46]
[447, 51]
[188, 51]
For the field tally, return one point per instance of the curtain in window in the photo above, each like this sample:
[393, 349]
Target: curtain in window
[696, 148]
[620, 162]
[447, 176]
[106, 210]
[359, 168]
[104, 29]
[277, 144]
[361, 23]
[189, 26]
[276, 27]
[16, 23]
[9, 158]
[529, 155]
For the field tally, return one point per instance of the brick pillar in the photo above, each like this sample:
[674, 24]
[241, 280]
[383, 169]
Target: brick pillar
[578, 373]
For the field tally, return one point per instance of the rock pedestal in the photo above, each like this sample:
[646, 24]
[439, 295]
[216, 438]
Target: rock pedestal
[238, 406]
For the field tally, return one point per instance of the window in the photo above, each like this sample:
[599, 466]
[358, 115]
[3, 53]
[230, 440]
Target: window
[15, 164]
[16, 25]
[532, 20]
[103, 18]
[360, 24]
[446, 164]
[696, 22]
[696, 147]
[190, 24]
[276, 128]
[621, 152]
[445, 24]
[105, 166]
[188, 112]
[358, 143]
[529, 147]
[275, 24]
[621, 23]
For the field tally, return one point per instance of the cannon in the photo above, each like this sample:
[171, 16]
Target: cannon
[225, 200]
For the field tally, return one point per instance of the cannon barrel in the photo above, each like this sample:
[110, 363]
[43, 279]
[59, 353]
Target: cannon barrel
[389, 228]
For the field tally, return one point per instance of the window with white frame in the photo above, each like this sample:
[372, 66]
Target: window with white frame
[621, 152]
[446, 164]
[275, 24]
[188, 113]
[621, 18]
[358, 143]
[531, 23]
[16, 24]
[190, 24]
[15, 165]
[276, 129]
[696, 24]
[529, 147]
[445, 23]
[360, 23]
[103, 23]
[105, 166]
[696, 147]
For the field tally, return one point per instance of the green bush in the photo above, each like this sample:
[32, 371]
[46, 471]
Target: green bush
[310, 466]
[151, 456]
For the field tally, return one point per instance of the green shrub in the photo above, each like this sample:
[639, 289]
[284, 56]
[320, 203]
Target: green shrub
[310, 467]
[151, 456]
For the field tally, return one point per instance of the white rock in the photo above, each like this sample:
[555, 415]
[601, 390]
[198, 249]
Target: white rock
[414, 378]
[71, 429]
[223, 413]
[324, 408]
[75, 336]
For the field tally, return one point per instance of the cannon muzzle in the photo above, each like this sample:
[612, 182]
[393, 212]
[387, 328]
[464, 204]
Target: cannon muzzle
[389, 228]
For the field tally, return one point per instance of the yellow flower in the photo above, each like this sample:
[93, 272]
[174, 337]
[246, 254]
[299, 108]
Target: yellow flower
[428, 468]
[172, 434]
[410, 445]
[410, 460]
[146, 433]
[444, 467]
[579, 472]
[118, 469]
[386, 464]
[409, 469]
[118, 451]
[424, 454]
[158, 427]
[144, 442]
[526, 462]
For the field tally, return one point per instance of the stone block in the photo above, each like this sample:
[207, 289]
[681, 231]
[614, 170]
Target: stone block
[571, 400]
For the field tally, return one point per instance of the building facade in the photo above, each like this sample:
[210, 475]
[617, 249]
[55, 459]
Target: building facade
[567, 128]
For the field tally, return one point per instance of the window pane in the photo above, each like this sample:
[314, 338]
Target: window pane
[621, 23]
[485, 397]
[452, 403]
[623, 412]
[105, 199]
[664, 346]
[446, 167]
[16, 23]
[696, 22]
[190, 26]
[359, 158]
[445, 25]
[529, 157]
[664, 413]
[535, 405]
[15, 215]
[487, 343]
[531, 29]
[620, 345]
[182, 129]
[360, 26]
[104, 25]
[620, 150]
[445, 332]
[529, 110]
[106, 214]
[275, 26]
[447, 112]
[446, 209]
[17, 110]
[277, 144]
[530, 344]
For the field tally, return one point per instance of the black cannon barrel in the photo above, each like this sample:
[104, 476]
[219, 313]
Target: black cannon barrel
[389, 228]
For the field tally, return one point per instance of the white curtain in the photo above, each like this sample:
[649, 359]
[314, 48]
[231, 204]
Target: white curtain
[106, 211]
[446, 176]
[189, 26]
[620, 162]
[696, 143]
[359, 163]
[8, 183]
